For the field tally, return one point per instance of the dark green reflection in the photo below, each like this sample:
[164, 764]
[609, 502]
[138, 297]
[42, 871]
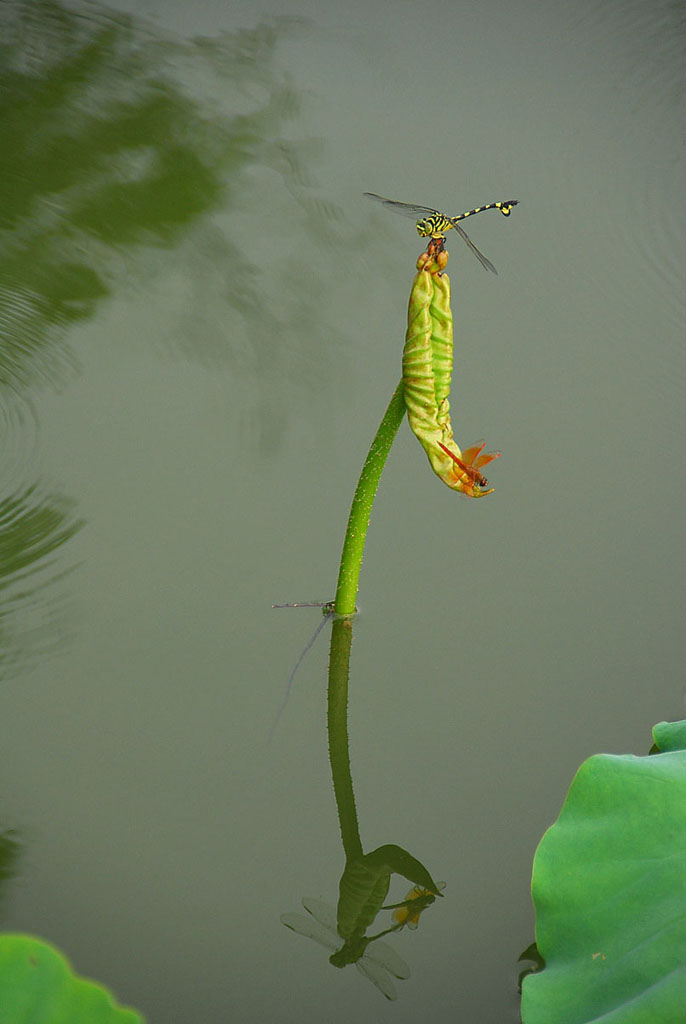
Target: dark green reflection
[120, 147]
[10, 850]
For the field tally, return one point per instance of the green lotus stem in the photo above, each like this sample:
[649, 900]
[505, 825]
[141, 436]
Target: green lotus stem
[360, 510]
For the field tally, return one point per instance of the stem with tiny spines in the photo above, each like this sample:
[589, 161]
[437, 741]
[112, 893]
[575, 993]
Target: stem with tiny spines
[363, 500]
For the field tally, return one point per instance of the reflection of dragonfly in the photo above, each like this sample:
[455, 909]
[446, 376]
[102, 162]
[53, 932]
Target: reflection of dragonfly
[374, 959]
[417, 900]
[432, 223]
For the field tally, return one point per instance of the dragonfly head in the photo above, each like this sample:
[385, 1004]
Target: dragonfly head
[424, 228]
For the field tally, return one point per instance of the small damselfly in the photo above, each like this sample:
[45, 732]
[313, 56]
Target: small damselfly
[432, 223]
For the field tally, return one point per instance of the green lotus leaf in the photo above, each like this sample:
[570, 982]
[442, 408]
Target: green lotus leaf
[609, 890]
[670, 736]
[37, 986]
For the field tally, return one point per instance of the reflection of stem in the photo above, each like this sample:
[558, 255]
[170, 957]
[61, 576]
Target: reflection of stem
[356, 533]
[337, 721]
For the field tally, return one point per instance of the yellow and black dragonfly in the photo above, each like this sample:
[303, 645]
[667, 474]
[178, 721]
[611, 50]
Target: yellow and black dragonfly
[432, 223]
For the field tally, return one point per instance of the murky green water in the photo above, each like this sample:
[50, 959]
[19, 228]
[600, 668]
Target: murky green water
[201, 324]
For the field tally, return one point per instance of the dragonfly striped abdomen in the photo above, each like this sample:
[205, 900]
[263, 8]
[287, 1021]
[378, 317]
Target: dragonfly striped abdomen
[432, 223]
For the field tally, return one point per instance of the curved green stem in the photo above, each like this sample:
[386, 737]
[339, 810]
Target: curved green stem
[360, 510]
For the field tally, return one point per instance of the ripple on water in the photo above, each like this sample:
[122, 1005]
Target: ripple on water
[33, 351]
[643, 45]
[35, 526]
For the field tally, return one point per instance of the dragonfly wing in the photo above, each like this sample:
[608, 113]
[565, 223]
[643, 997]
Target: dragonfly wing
[473, 455]
[384, 955]
[311, 929]
[405, 209]
[377, 976]
[483, 260]
[470, 454]
[323, 912]
[487, 457]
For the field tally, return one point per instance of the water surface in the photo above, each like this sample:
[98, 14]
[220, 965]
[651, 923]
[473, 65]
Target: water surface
[202, 321]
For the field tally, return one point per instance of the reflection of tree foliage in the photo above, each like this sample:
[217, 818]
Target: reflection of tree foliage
[118, 147]
[10, 850]
[33, 528]
[125, 156]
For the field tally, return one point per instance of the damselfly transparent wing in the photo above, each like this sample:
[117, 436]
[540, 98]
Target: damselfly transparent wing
[379, 959]
[404, 209]
[483, 260]
[327, 608]
[418, 213]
